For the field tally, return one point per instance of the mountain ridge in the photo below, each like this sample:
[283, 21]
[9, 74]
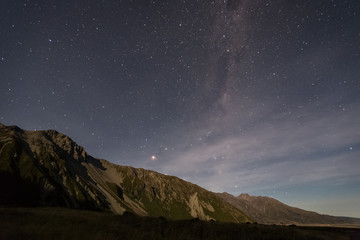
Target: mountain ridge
[48, 168]
[268, 210]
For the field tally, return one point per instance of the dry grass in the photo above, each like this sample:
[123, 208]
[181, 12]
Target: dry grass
[60, 223]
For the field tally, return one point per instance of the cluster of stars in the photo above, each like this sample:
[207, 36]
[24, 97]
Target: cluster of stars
[161, 82]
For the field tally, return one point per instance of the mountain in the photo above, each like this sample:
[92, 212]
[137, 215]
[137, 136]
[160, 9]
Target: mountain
[271, 211]
[47, 168]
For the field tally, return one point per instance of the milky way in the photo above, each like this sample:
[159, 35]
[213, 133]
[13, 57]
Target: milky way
[239, 96]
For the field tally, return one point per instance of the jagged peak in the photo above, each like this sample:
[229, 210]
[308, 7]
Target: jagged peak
[227, 194]
[247, 197]
[52, 132]
[59, 138]
[77, 176]
[244, 196]
[12, 128]
[52, 136]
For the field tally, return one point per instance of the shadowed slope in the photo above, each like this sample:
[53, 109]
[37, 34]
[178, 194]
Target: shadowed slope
[47, 168]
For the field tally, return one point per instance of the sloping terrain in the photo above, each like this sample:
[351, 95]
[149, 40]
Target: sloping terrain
[47, 168]
[271, 211]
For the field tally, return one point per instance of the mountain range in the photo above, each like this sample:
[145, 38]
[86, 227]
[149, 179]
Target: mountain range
[267, 210]
[47, 168]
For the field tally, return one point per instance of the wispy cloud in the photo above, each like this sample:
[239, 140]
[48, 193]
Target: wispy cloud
[317, 147]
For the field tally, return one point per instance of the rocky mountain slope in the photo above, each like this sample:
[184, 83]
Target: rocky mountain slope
[271, 211]
[47, 168]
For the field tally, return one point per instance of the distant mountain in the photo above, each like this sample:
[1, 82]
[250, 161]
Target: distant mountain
[47, 168]
[271, 211]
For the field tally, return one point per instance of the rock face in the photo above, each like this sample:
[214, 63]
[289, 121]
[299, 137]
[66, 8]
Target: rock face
[271, 211]
[47, 168]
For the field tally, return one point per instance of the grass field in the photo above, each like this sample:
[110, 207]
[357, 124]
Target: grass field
[61, 223]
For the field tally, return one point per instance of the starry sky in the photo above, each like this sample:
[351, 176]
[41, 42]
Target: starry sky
[242, 96]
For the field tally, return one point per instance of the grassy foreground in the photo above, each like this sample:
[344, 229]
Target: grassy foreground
[60, 223]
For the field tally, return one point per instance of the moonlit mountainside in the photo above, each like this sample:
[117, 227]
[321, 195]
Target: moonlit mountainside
[258, 97]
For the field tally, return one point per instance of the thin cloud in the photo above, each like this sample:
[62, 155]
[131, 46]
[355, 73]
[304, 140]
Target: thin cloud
[323, 146]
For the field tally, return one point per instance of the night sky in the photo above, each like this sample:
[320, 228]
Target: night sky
[250, 96]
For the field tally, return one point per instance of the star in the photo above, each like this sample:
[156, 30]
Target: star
[196, 92]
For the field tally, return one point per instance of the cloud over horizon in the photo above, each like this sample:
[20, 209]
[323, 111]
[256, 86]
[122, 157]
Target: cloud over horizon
[238, 96]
